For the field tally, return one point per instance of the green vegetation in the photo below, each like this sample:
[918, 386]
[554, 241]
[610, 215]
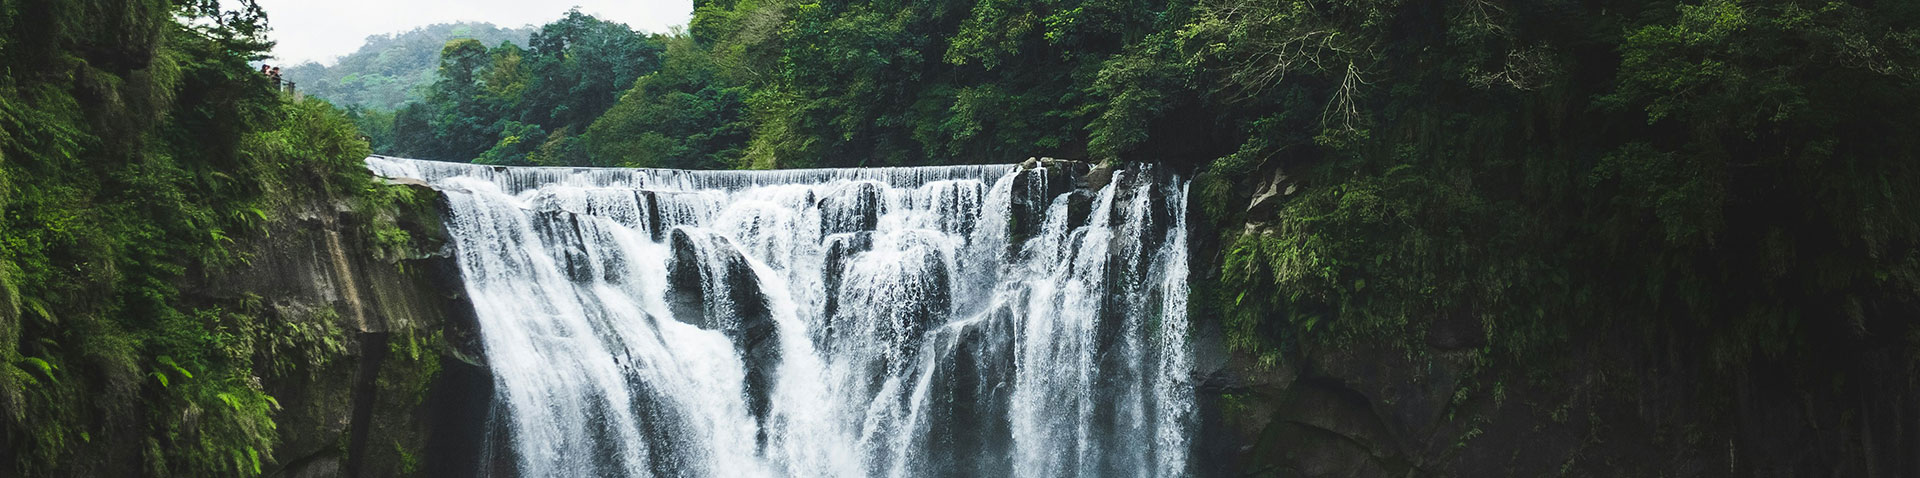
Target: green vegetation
[138, 147]
[392, 70]
[412, 363]
[1719, 171]
[684, 116]
[1600, 201]
[1573, 198]
[1728, 172]
[511, 105]
[1566, 192]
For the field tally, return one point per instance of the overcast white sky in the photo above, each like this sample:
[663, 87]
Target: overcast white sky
[322, 30]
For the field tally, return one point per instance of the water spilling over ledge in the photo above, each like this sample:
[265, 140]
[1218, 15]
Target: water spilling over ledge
[941, 321]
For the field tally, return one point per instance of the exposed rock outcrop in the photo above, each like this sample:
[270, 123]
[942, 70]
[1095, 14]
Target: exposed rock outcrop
[715, 288]
[394, 383]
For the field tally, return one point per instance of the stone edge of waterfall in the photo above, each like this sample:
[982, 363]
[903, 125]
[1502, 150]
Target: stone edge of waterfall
[978, 171]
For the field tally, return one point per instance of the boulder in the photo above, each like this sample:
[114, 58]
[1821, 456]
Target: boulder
[712, 286]
[841, 250]
[1268, 197]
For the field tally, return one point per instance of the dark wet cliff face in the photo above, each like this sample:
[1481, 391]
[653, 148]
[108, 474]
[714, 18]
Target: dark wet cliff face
[386, 379]
[1629, 400]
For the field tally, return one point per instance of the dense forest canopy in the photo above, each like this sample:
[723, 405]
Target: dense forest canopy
[509, 104]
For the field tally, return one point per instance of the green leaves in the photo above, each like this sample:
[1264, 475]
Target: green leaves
[1746, 64]
[508, 105]
[684, 116]
[230, 431]
[168, 366]
[1718, 199]
[240, 26]
[1685, 191]
[996, 31]
[41, 365]
[232, 402]
[1134, 88]
[152, 150]
[41, 311]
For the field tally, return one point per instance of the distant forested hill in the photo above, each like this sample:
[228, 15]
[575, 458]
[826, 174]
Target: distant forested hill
[531, 103]
[392, 69]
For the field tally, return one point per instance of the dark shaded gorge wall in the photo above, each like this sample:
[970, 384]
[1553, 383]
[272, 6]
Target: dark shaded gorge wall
[1611, 401]
[392, 382]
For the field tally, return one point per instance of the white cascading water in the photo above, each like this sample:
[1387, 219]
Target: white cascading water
[904, 322]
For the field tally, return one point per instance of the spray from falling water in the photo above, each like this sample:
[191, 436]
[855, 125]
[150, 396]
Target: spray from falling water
[940, 321]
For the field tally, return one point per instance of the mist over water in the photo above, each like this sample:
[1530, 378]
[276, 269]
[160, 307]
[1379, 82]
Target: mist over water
[903, 322]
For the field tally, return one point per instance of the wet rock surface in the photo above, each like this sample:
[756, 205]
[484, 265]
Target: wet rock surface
[714, 288]
[364, 410]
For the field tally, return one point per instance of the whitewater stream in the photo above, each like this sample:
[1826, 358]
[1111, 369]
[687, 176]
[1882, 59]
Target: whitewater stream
[977, 321]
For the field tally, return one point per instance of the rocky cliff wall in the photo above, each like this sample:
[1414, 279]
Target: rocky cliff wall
[391, 381]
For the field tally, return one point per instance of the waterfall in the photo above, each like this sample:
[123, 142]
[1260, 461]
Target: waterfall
[904, 322]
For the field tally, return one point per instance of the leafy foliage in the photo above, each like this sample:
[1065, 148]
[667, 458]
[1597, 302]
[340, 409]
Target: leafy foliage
[683, 116]
[152, 147]
[1716, 187]
[507, 104]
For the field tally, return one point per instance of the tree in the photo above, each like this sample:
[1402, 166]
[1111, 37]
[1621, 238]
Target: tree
[467, 114]
[513, 105]
[413, 133]
[579, 67]
[683, 116]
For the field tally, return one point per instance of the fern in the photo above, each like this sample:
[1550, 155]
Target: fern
[40, 309]
[43, 366]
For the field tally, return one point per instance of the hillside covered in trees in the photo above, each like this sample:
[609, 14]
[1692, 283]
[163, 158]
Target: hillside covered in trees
[506, 103]
[392, 70]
